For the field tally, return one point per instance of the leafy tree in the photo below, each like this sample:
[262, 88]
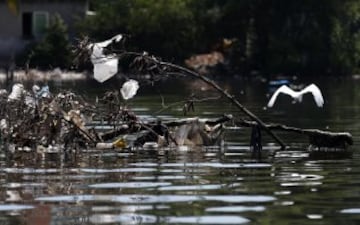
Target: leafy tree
[164, 27]
[291, 37]
[299, 37]
[345, 38]
[53, 50]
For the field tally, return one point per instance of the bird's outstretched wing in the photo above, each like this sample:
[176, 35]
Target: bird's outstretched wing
[315, 91]
[283, 89]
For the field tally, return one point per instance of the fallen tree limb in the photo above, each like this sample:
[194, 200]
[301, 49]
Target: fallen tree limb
[318, 138]
[211, 122]
[230, 97]
[123, 129]
[154, 65]
[126, 129]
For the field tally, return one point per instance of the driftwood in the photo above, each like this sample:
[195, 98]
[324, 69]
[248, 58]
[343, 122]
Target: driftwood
[318, 138]
[211, 122]
[231, 98]
[198, 131]
[152, 65]
[61, 119]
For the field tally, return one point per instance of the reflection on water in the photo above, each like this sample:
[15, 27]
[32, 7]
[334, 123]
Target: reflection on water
[222, 185]
[145, 219]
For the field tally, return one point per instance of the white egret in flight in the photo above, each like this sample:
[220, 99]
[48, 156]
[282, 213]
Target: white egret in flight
[129, 89]
[297, 95]
[105, 66]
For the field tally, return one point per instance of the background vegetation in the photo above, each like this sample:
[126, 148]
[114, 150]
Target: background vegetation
[269, 36]
[54, 50]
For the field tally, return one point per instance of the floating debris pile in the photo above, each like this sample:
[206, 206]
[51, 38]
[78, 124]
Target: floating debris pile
[39, 120]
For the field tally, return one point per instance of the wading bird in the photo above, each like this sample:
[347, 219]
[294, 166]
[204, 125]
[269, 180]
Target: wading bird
[297, 95]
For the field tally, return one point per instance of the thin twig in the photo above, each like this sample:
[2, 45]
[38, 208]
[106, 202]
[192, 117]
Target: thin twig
[165, 107]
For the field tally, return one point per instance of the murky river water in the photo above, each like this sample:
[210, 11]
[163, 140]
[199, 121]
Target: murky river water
[214, 185]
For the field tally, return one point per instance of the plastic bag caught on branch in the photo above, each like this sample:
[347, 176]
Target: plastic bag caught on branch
[105, 66]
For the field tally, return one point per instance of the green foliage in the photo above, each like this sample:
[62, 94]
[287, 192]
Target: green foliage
[164, 27]
[165, 24]
[290, 37]
[55, 49]
[345, 38]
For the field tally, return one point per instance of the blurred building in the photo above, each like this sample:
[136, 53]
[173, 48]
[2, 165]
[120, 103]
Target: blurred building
[27, 21]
